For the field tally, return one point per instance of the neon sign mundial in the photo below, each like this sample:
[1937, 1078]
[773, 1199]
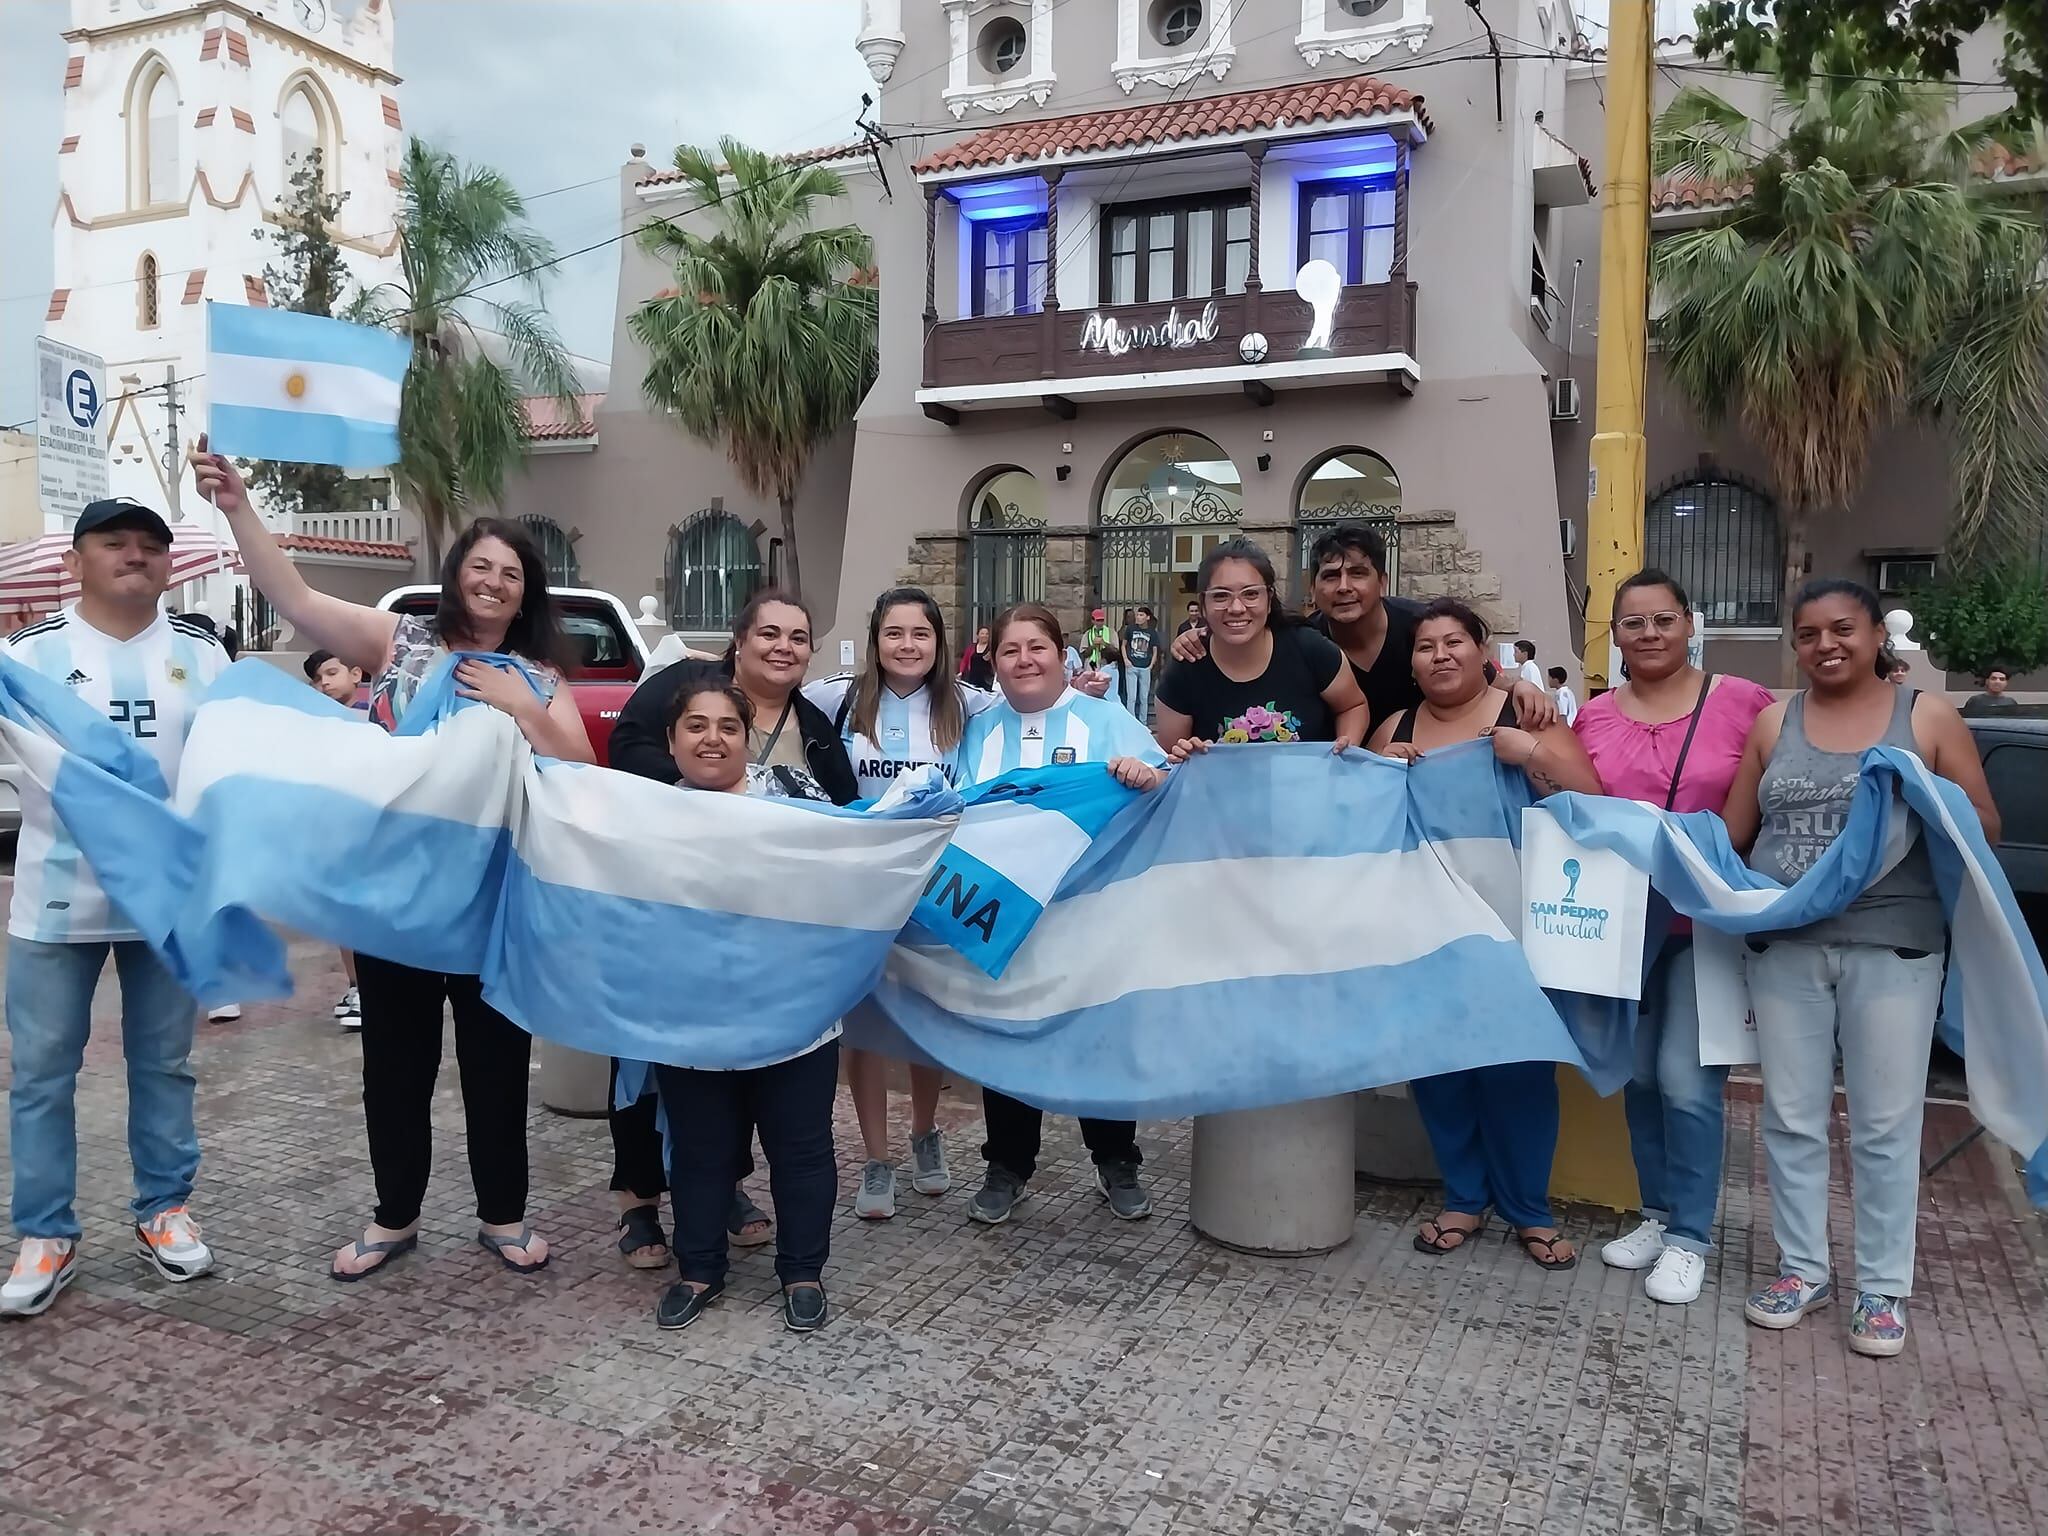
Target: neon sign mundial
[1105, 333]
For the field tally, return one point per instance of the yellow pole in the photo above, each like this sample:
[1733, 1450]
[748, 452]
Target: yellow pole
[1592, 1161]
[1614, 512]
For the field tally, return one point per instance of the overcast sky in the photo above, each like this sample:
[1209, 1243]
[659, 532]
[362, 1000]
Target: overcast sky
[552, 92]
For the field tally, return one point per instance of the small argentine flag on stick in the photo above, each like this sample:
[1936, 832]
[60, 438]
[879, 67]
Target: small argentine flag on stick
[302, 389]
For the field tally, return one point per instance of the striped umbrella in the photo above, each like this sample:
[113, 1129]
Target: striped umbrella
[32, 574]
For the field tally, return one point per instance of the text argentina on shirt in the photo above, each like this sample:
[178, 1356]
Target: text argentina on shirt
[890, 767]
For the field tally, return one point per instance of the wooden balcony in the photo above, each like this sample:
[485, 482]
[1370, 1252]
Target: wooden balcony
[1188, 346]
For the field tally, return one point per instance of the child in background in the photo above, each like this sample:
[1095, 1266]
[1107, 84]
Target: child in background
[343, 684]
[1567, 701]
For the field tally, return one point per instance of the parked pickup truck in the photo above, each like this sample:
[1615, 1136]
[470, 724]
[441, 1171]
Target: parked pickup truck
[2015, 752]
[607, 653]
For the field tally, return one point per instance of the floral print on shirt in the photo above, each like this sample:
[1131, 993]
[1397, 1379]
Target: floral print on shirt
[1262, 722]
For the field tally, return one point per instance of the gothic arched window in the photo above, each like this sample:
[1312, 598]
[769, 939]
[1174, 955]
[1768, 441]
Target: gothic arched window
[153, 136]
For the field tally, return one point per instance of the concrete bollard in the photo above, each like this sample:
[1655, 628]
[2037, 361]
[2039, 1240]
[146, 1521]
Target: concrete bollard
[574, 1082]
[1276, 1180]
[1392, 1146]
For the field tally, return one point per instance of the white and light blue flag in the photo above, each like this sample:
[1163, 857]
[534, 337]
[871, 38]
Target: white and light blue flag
[302, 389]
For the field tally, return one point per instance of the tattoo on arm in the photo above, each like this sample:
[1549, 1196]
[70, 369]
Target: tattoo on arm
[1542, 778]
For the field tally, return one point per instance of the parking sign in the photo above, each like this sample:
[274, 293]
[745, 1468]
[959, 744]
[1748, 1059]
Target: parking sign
[71, 448]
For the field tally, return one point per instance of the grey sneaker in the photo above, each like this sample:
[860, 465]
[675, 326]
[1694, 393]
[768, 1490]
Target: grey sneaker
[1120, 1187]
[997, 1197]
[928, 1172]
[877, 1198]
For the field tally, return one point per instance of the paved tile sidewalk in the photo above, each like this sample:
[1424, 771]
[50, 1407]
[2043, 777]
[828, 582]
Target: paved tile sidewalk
[1065, 1374]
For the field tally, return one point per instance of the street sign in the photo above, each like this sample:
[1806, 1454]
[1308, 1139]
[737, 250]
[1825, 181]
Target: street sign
[71, 452]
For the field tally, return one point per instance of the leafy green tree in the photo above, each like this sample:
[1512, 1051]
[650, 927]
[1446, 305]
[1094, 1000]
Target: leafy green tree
[768, 343]
[462, 233]
[1993, 616]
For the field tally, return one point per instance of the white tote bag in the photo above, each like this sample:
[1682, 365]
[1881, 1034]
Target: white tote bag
[1583, 911]
[1720, 978]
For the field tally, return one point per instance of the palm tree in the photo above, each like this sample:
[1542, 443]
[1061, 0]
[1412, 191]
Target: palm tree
[767, 342]
[461, 428]
[1866, 266]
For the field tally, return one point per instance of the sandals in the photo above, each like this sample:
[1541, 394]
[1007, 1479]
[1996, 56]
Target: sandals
[640, 1235]
[396, 1248]
[496, 1243]
[1548, 1258]
[1441, 1244]
[745, 1214]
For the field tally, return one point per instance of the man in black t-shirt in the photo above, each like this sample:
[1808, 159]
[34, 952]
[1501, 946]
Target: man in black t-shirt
[1140, 642]
[1193, 621]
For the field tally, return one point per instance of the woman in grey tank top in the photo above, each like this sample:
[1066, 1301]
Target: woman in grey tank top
[1868, 978]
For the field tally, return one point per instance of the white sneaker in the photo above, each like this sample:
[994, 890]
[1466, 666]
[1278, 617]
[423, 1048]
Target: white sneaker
[44, 1267]
[1677, 1278]
[877, 1198]
[170, 1241]
[227, 1013]
[350, 1006]
[1637, 1250]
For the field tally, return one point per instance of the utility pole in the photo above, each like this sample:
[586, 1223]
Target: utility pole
[1614, 513]
[174, 468]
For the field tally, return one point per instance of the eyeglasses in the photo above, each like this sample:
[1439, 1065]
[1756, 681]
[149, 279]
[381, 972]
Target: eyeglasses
[1637, 623]
[1223, 597]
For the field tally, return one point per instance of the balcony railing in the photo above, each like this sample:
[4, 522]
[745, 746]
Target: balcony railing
[1069, 345]
[366, 527]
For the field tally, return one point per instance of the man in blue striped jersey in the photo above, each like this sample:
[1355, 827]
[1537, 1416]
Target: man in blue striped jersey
[145, 671]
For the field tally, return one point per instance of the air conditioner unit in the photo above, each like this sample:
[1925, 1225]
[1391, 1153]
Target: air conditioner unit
[1564, 400]
[1568, 536]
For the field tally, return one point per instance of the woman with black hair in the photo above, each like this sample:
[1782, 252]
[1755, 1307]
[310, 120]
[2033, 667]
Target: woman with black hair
[1867, 980]
[904, 709]
[1264, 678]
[494, 598]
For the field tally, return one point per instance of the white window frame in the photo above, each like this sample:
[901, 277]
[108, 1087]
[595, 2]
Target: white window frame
[1407, 21]
[141, 86]
[999, 96]
[326, 126]
[1137, 65]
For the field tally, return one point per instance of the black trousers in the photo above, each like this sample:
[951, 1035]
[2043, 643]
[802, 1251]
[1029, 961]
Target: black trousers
[637, 1152]
[401, 1042]
[790, 1105]
[1014, 1128]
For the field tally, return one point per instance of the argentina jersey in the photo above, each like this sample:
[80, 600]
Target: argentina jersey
[904, 726]
[1077, 729]
[149, 686]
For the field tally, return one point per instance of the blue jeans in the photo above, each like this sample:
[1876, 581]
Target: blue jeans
[1138, 691]
[49, 1014]
[1674, 1105]
[1494, 1132]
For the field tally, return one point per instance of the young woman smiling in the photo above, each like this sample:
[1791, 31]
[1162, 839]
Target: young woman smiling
[1671, 735]
[905, 708]
[1867, 979]
[1494, 1129]
[494, 597]
[1043, 722]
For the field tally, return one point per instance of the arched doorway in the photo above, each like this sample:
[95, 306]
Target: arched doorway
[1006, 545]
[714, 566]
[1169, 501]
[1720, 536]
[556, 552]
[1347, 485]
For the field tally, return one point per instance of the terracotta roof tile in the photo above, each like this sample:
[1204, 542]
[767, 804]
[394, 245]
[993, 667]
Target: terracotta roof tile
[238, 48]
[195, 285]
[1167, 122]
[1678, 194]
[209, 45]
[243, 120]
[69, 146]
[390, 111]
[254, 291]
[794, 159]
[59, 297]
[395, 179]
[74, 71]
[365, 549]
[548, 422]
[206, 117]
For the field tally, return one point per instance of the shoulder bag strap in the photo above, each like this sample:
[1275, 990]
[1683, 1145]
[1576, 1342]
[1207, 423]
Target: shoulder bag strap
[1684, 747]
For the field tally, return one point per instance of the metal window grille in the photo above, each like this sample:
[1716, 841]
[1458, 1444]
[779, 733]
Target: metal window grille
[556, 552]
[714, 566]
[1005, 551]
[1720, 537]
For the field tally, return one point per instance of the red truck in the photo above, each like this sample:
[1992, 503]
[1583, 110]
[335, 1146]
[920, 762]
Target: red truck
[608, 653]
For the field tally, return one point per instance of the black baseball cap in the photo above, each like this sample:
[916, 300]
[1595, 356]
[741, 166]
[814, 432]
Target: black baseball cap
[119, 512]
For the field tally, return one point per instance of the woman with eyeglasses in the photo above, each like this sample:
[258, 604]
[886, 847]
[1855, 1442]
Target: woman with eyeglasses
[1265, 678]
[1671, 735]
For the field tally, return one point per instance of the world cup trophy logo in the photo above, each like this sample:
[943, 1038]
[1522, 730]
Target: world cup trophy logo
[1319, 284]
[1571, 877]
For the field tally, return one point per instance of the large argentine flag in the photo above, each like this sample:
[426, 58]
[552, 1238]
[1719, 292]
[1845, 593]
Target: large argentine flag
[1995, 1003]
[1268, 927]
[302, 389]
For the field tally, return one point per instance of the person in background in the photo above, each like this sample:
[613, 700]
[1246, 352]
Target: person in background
[1194, 619]
[1140, 641]
[1493, 1129]
[1042, 722]
[1899, 673]
[146, 671]
[1525, 663]
[1376, 631]
[1866, 981]
[1561, 691]
[713, 1114]
[1994, 700]
[977, 665]
[342, 683]
[1670, 735]
[494, 598]
[903, 710]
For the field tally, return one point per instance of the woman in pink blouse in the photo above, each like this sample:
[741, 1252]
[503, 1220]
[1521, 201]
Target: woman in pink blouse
[1672, 735]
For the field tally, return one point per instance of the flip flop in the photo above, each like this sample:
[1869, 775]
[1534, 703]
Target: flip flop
[640, 1235]
[744, 1212]
[496, 1243]
[1548, 1258]
[1438, 1246]
[396, 1248]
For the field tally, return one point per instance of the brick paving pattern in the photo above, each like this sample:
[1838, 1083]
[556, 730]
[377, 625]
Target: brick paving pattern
[1064, 1374]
